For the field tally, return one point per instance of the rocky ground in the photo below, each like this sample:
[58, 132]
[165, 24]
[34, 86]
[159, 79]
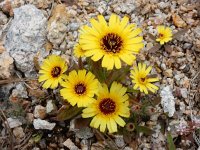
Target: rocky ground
[31, 29]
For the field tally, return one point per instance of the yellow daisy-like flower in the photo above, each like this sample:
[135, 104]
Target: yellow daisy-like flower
[139, 74]
[112, 42]
[52, 71]
[78, 51]
[164, 34]
[80, 88]
[108, 109]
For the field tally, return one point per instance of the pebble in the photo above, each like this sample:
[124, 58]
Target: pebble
[184, 92]
[178, 21]
[18, 132]
[50, 107]
[119, 140]
[69, 144]
[20, 91]
[84, 133]
[43, 124]
[39, 112]
[6, 65]
[13, 122]
[168, 73]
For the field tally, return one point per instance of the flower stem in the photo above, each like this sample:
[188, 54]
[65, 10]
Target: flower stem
[80, 63]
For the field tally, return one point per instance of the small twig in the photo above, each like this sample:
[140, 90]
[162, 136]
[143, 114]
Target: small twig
[7, 81]
[25, 140]
[4, 119]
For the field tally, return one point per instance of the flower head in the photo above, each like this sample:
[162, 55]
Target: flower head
[140, 77]
[52, 71]
[78, 51]
[108, 109]
[113, 41]
[80, 88]
[164, 34]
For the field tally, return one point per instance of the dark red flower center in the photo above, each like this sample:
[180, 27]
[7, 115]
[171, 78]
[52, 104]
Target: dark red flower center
[107, 106]
[111, 43]
[80, 88]
[55, 72]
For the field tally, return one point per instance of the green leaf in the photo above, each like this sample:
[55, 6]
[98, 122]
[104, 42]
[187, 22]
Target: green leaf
[68, 112]
[37, 137]
[170, 142]
[145, 130]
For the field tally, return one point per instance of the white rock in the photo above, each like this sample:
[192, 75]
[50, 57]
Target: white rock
[13, 122]
[167, 101]
[69, 144]
[26, 36]
[6, 65]
[184, 92]
[50, 107]
[39, 112]
[43, 124]
[119, 140]
[20, 91]
[18, 132]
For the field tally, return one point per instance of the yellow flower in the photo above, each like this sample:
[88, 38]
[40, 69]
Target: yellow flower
[52, 71]
[164, 34]
[80, 88]
[78, 51]
[108, 109]
[112, 42]
[142, 80]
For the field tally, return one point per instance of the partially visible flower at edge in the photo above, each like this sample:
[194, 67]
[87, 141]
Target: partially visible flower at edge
[78, 51]
[164, 34]
[141, 79]
[80, 88]
[52, 71]
[108, 109]
[113, 41]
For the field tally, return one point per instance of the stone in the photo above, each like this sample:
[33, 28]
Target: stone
[13, 122]
[69, 144]
[178, 21]
[168, 73]
[40, 3]
[39, 112]
[6, 65]
[20, 91]
[5, 91]
[119, 140]
[184, 92]
[50, 107]
[43, 124]
[25, 37]
[18, 132]
[3, 19]
[29, 117]
[84, 133]
[57, 25]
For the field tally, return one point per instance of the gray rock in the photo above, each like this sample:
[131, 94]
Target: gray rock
[84, 133]
[3, 18]
[184, 92]
[13, 122]
[74, 26]
[26, 36]
[43, 124]
[5, 91]
[20, 91]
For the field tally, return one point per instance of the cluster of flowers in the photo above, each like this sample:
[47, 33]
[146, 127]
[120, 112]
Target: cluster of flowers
[109, 43]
